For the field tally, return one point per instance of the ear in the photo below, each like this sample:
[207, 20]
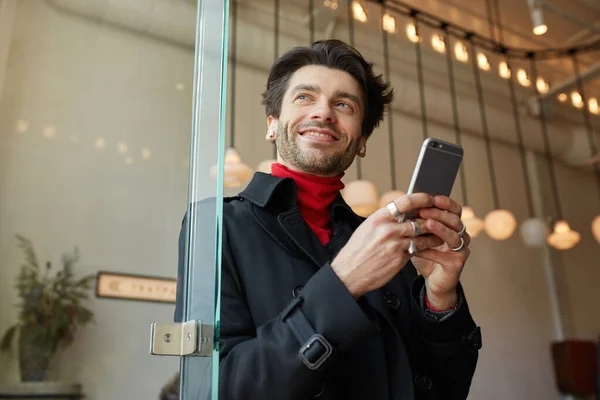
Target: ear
[271, 128]
[362, 147]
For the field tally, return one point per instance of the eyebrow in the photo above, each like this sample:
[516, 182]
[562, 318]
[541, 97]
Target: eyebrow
[317, 89]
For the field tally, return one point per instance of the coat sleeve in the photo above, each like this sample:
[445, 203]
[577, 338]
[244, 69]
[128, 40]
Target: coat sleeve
[445, 353]
[263, 362]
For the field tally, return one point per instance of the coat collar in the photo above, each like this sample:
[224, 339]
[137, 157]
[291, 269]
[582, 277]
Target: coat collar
[274, 205]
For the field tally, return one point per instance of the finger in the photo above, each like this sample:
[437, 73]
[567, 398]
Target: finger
[406, 229]
[404, 204]
[423, 243]
[455, 260]
[449, 219]
[443, 232]
[446, 203]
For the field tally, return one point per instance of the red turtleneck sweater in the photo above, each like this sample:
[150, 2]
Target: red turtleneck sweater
[315, 195]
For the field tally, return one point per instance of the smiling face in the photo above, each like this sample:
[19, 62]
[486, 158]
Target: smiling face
[319, 129]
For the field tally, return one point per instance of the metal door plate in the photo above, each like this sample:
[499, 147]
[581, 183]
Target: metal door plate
[181, 339]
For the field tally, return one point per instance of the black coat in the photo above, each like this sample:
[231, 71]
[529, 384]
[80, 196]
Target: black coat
[275, 272]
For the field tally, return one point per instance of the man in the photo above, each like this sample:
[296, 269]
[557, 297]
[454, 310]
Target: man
[316, 301]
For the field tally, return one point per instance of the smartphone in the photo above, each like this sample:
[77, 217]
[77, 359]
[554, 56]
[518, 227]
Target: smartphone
[436, 170]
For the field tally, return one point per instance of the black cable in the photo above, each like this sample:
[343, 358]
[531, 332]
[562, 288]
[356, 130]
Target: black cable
[311, 22]
[544, 129]
[518, 130]
[484, 125]
[498, 21]
[350, 23]
[421, 80]
[453, 97]
[233, 70]
[386, 68]
[586, 117]
[490, 17]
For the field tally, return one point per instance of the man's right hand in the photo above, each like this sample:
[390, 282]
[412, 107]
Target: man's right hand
[378, 249]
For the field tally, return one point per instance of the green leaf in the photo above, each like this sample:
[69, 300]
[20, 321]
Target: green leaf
[29, 251]
[8, 338]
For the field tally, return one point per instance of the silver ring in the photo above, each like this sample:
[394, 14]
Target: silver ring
[412, 248]
[463, 230]
[416, 228]
[393, 209]
[459, 248]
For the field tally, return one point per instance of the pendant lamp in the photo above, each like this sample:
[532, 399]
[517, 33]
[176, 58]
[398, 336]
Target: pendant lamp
[361, 195]
[474, 225]
[393, 194]
[533, 230]
[562, 237]
[499, 223]
[588, 127]
[235, 171]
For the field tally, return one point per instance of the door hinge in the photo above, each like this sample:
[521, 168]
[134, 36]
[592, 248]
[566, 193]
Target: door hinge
[181, 339]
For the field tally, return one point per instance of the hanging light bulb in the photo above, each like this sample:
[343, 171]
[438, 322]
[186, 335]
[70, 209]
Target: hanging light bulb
[482, 62]
[461, 52]
[596, 228]
[411, 33]
[359, 12]
[542, 85]
[500, 224]
[390, 196]
[534, 232]
[593, 106]
[474, 225]
[563, 237]
[235, 172]
[523, 78]
[265, 166]
[576, 99]
[389, 23]
[361, 196]
[438, 44]
[504, 70]
[562, 97]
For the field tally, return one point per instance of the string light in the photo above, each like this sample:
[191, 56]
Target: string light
[593, 106]
[576, 99]
[438, 44]
[389, 23]
[333, 4]
[523, 78]
[411, 33]
[482, 62]
[542, 85]
[359, 12]
[504, 70]
[562, 97]
[461, 52]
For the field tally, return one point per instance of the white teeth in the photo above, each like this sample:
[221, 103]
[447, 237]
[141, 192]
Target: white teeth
[317, 134]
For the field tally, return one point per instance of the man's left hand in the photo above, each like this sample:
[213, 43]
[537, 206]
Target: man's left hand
[441, 267]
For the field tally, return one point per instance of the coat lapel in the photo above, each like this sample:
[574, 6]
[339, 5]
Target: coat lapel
[298, 230]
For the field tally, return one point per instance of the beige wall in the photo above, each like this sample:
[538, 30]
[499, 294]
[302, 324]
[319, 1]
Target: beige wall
[91, 80]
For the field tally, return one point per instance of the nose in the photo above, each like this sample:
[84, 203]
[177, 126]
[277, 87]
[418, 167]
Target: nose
[323, 111]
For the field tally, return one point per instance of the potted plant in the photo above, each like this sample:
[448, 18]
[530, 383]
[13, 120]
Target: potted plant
[51, 310]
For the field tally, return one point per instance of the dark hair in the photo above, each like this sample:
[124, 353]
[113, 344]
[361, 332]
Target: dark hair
[332, 54]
